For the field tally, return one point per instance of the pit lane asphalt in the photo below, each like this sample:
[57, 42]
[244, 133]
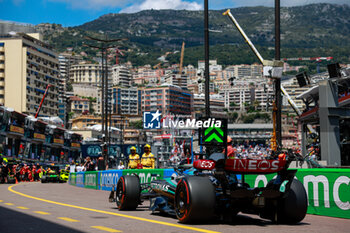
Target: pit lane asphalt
[51, 207]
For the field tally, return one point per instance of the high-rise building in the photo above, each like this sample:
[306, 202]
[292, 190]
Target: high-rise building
[121, 76]
[168, 99]
[66, 60]
[27, 67]
[126, 101]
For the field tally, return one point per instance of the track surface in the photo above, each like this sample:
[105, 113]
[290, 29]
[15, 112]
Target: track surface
[36, 207]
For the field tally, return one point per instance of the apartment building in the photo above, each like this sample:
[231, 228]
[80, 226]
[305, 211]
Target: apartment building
[237, 97]
[293, 89]
[121, 76]
[168, 99]
[217, 106]
[27, 67]
[91, 75]
[175, 79]
[201, 87]
[213, 65]
[86, 74]
[126, 101]
[244, 71]
[66, 60]
[79, 105]
[145, 75]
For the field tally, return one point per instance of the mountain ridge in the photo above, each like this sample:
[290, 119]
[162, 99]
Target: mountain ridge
[311, 30]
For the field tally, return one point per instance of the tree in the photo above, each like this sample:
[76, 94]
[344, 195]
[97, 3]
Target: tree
[256, 104]
[70, 115]
[232, 116]
[136, 124]
[69, 87]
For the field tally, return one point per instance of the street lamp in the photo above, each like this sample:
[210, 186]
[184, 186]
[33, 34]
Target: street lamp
[104, 45]
[206, 50]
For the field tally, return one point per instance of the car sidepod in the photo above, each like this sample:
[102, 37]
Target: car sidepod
[163, 196]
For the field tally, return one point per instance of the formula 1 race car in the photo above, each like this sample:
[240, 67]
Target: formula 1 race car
[50, 176]
[55, 173]
[212, 189]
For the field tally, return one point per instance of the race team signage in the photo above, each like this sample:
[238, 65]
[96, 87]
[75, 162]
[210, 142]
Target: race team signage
[16, 129]
[327, 189]
[39, 136]
[58, 141]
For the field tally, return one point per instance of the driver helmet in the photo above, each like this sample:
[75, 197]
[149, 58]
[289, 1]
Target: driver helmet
[173, 176]
[133, 148]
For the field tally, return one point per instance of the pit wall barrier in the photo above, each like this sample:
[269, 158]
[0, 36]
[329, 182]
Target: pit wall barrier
[328, 189]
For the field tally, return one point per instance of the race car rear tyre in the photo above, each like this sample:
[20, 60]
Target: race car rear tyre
[292, 209]
[128, 192]
[194, 199]
[11, 180]
[43, 179]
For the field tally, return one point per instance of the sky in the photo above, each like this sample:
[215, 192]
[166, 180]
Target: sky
[77, 12]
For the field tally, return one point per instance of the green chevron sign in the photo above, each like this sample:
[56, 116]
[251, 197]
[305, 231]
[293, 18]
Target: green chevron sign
[213, 134]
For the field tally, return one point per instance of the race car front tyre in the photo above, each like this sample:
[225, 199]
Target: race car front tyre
[292, 208]
[128, 192]
[194, 199]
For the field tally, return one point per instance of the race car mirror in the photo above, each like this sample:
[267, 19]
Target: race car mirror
[213, 132]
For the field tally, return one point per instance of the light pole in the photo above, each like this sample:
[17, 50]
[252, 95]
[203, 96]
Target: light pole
[278, 94]
[206, 58]
[104, 45]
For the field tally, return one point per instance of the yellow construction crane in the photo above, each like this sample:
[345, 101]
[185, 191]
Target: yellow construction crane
[157, 66]
[182, 57]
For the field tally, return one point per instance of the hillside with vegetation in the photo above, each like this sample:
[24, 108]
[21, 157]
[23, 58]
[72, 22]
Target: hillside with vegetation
[312, 30]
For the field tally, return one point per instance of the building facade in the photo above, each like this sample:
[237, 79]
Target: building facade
[27, 67]
[79, 105]
[217, 106]
[167, 99]
[237, 98]
[66, 60]
[121, 76]
[244, 71]
[86, 74]
[126, 101]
